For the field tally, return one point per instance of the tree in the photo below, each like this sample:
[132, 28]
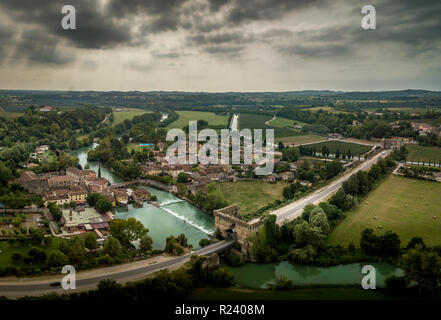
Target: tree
[318, 219]
[182, 177]
[103, 205]
[204, 242]
[90, 241]
[74, 249]
[127, 231]
[421, 267]
[291, 154]
[99, 172]
[112, 247]
[56, 259]
[145, 244]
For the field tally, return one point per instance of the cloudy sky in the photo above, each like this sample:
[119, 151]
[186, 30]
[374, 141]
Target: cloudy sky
[220, 45]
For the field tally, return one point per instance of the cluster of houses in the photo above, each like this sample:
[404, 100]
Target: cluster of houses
[425, 128]
[73, 186]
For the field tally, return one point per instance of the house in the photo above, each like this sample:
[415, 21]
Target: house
[78, 195]
[121, 196]
[140, 195]
[287, 175]
[151, 170]
[59, 197]
[305, 183]
[293, 167]
[335, 136]
[84, 220]
[46, 109]
[63, 182]
[270, 178]
[79, 175]
[42, 149]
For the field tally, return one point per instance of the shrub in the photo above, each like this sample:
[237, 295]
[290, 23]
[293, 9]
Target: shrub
[395, 285]
[16, 256]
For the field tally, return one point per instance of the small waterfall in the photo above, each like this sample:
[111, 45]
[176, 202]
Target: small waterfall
[189, 222]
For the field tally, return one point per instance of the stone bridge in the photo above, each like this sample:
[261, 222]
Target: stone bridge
[228, 222]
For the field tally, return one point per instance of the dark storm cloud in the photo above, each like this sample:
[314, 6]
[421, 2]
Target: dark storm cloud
[255, 10]
[38, 48]
[414, 26]
[94, 28]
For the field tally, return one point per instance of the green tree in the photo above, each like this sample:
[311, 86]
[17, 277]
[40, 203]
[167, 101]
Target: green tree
[56, 259]
[127, 231]
[145, 244]
[103, 205]
[90, 241]
[182, 177]
[421, 267]
[291, 154]
[112, 247]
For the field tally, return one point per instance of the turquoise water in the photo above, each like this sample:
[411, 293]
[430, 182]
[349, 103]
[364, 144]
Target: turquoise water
[173, 217]
[260, 275]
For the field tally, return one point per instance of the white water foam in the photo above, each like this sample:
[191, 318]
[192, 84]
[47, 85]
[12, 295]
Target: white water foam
[174, 214]
[166, 203]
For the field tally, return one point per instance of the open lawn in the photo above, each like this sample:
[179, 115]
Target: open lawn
[343, 147]
[420, 153]
[128, 114]
[257, 121]
[135, 146]
[8, 249]
[399, 207]
[9, 115]
[281, 122]
[306, 138]
[252, 195]
[210, 117]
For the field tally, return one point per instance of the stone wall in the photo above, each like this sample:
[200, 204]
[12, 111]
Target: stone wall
[229, 218]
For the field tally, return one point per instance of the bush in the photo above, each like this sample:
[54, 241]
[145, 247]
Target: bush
[16, 256]
[395, 285]
[204, 242]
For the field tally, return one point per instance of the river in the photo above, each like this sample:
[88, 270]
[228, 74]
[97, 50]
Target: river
[173, 217]
[255, 275]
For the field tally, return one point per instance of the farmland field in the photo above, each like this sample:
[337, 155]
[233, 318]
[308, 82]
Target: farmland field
[281, 122]
[129, 114]
[210, 117]
[306, 138]
[399, 207]
[343, 147]
[420, 153]
[257, 121]
[252, 195]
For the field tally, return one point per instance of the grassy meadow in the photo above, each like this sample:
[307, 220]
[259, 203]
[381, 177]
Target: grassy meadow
[252, 195]
[210, 117]
[397, 204]
[420, 153]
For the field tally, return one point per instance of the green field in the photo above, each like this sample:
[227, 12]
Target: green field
[135, 146]
[9, 115]
[210, 117]
[127, 114]
[257, 121]
[252, 195]
[282, 122]
[307, 138]
[420, 153]
[8, 249]
[343, 147]
[388, 203]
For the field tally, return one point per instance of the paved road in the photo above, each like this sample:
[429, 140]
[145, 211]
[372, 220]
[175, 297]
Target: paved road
[37, 287]
[295, 209]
